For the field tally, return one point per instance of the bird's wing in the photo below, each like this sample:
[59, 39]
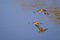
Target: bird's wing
[40, 29]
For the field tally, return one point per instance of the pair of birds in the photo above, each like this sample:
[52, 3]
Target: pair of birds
[40, 29]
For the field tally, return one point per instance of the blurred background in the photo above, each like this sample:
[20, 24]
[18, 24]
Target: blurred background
[17, 16]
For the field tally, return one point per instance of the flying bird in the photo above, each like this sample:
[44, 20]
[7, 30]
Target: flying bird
[43, 10]
[40, 29]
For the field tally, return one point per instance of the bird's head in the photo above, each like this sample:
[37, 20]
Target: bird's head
[36, 23]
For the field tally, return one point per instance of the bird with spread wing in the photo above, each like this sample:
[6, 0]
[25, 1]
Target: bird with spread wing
[40, 29]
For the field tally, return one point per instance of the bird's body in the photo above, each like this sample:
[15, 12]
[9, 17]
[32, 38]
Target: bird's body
[40, 29]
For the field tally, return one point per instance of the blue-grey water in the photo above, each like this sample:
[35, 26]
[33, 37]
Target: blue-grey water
[17, 16]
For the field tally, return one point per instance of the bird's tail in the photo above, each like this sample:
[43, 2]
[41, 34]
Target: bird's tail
[45, 29]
